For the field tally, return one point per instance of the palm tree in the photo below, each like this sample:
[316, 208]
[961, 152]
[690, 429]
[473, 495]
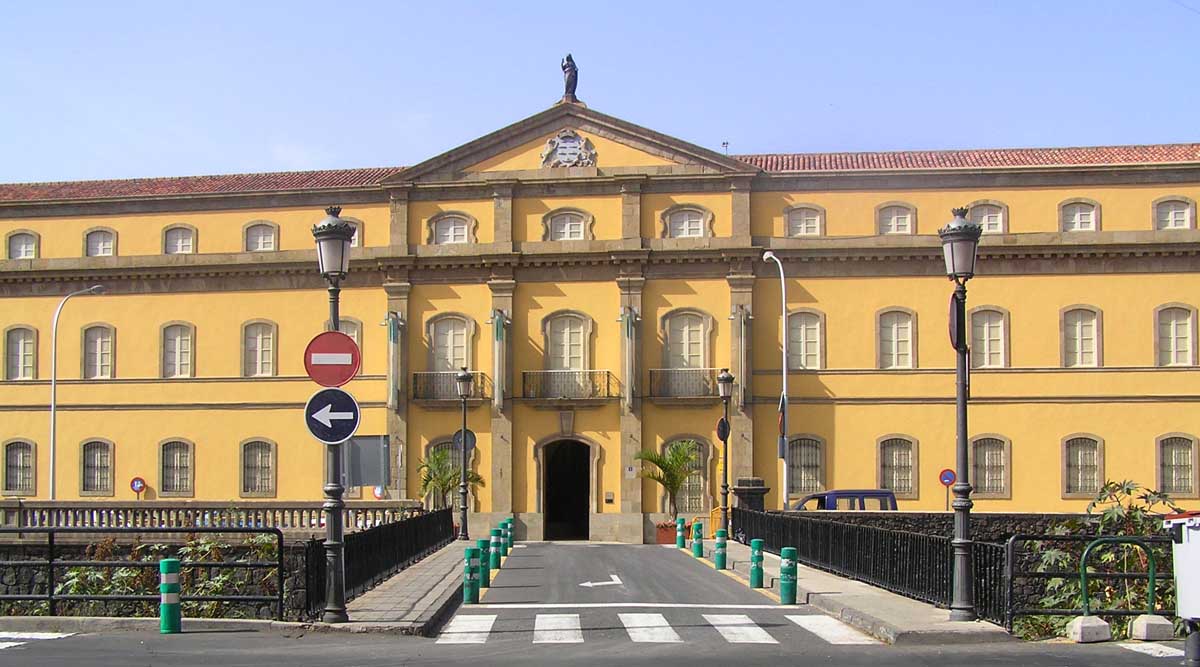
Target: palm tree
[673, 467]
[440, 476]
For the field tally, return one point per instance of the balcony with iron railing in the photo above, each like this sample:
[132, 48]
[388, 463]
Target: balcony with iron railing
[683, 385]
[569, 387]
[441, 387]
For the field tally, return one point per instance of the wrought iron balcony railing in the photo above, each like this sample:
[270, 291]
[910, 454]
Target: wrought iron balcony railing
[569, 384]
[683, 382]
[441, 386]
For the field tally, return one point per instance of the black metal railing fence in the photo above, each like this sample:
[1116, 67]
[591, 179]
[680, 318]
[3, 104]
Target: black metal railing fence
[569, 384]
[683, 382]
[374, 554]
[443, 386]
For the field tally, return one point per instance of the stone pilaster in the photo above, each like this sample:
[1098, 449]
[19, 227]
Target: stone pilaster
[502, 426]
[502, 210]
[397, 372]
[631, 415]
[741, 440]
[739, 188]
[631, 209]
[398, 220]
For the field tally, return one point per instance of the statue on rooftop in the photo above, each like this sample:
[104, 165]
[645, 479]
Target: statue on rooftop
[570, 79]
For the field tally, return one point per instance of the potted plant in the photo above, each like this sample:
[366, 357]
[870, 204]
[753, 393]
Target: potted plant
[440, 477]
[670, 469]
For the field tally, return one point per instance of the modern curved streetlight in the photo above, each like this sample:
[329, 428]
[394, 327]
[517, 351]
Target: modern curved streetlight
[784, 454]
[960, 245]
[94, 289]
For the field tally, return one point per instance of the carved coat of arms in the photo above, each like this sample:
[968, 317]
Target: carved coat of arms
[568, 149]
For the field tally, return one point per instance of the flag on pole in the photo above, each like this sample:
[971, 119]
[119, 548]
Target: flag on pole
[783, 406]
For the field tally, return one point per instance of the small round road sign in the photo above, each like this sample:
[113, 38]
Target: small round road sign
[332, 359]
[377, 492]
[947, 477]
[458, 438]
[137, 484]
[331, 416]
[722, 429]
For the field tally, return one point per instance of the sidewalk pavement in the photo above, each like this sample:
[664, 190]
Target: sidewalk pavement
[413, 601]
[887, 616]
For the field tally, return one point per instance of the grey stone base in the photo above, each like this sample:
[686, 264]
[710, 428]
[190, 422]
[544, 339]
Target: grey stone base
[611, 527]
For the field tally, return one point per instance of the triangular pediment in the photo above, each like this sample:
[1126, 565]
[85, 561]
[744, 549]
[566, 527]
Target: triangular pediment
[527, 149]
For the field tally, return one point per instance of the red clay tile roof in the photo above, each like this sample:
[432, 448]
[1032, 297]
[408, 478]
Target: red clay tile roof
[979, 158]
[771, 162]
[195, 185]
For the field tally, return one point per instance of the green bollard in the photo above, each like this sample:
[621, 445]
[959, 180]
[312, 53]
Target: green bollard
[485, 574]
[756, 563]
[680, 534]
[512, 533]
[504, 529]
[719, 554]
[170, 618]
[787, 575]
[471, 575]
[698, 539]
[494, 551]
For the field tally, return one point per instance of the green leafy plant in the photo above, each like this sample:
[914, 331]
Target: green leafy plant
[1122, 508]
[671, 468]
[440, 476]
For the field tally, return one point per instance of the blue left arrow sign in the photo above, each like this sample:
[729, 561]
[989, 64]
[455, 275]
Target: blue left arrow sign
[331, 416]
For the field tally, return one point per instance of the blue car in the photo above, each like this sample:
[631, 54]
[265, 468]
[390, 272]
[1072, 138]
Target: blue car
[848, 499]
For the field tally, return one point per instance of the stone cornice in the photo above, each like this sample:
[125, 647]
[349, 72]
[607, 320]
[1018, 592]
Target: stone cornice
[992, 177]
[194, 202]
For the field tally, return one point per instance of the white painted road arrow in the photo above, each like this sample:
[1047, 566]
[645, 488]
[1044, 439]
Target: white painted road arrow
[615, 581]
[327, 416]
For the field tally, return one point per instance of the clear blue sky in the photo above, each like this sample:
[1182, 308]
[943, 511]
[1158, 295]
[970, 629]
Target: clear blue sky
[176, 88]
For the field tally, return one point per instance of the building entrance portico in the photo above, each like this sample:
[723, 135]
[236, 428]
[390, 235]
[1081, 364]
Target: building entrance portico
[565, 505]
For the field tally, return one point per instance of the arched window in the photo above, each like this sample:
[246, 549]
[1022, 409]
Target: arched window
[686, 221]
[177, 351]
[1083, 466]
[1176, 336]
[896, 339]
[567, 226]
[1177, 469]
[179, 241]
[1174, 213]
[896, 219]
[449, 229]
[991, 216]
[686, 340]
[804, 341]
[805, 220]
[693, 495]
[988, 339]
[448, 344]
[898, 466]
[806, 458]
[176, 469]
[258, 469]
[1081, 335]
[98, 357]
[454, 457]
[261, 237]
[1079, 216]
[100, 243]
[20, 468]
[22, 245]
[258, 349]
[565, 343]
[20, 354]
[355, 240]
[96, 474]
[989, 467]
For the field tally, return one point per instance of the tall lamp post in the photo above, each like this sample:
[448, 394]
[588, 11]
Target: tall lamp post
[94, 289]
[333, 236]
[725, 387]
[960, 242]
[784, 452]
[463, 380]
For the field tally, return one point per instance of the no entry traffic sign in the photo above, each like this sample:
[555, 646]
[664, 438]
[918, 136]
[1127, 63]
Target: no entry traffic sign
[331, 416]
[332, 359]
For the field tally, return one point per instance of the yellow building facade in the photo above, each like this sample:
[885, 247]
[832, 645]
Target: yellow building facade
[594, 275]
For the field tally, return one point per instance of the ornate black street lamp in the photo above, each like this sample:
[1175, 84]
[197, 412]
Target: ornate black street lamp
[463, 381]
[960, 243]
[725, 389]
[333, 236]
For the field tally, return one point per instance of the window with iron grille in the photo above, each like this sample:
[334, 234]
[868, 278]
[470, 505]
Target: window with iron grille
[258, 469]
[693, 494]
[896, 465]
[806, 472]
[97, 467]
[18, 468]
[1083, 466]
[176, 468]
[1177, 457]
[988, 474]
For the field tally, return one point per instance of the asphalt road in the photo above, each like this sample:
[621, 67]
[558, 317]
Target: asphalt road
[667, 609]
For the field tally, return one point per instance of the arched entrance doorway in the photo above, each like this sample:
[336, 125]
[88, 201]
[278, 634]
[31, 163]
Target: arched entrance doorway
[568, 484]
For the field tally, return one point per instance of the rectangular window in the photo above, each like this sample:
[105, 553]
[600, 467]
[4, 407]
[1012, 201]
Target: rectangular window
[804, 341]
[1177, 457]
[1079, 218]
[989, 217]
[176, 468]
[895, 340]
[18, 467]
[805, 466]
[260, 350]
[987, 339]
[988, 471]
[896, 465]
[97, 353]
[100, 244]
[97, 467]
[19, 356]
[1083, 466]
[1174, 337]
[691, 494]
[177, 352]
[258, 475]
[1080, 338]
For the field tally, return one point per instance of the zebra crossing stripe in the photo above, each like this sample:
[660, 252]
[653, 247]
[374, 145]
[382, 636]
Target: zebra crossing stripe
[1155, 650]
[470, 629]
[649, 628]
[739, 629]
[4, 645]
[832, 630]
[34, 636]
[557, 629]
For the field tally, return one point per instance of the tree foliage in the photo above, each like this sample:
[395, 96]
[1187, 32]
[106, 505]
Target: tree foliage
[440, 476]
[671, 468]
